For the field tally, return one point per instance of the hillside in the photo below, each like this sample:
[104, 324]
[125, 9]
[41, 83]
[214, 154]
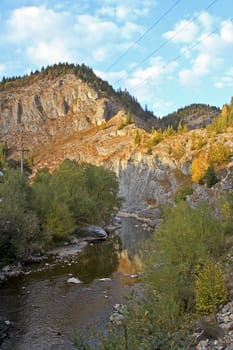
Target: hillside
[194, 116]
[61, 113]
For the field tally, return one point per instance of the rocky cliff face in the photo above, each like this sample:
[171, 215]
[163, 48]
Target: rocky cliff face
[67, 118]
[46, 110]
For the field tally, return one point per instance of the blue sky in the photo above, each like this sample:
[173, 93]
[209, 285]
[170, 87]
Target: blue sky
[166, 53]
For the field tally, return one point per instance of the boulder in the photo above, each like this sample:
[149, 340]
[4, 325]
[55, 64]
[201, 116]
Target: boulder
[92, 233]
[74, 280]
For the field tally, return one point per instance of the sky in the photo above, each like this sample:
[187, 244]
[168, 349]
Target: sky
[166, 53]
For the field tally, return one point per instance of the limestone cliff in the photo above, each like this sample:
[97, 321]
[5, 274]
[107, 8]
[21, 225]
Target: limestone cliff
[67, 117]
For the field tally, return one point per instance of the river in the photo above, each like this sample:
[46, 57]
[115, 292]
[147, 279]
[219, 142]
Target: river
[46, 310]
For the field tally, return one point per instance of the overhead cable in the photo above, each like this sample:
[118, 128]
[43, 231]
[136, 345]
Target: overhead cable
[143, 35]
[166, 42]
[181, 54]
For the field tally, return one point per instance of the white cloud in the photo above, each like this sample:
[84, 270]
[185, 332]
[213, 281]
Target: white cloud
[33, 23]
[184, 32]
[144, 82]
[125, 10]
[202, 65]
[227, 31]
[206, 52]
[189, 78]
[48, 36]
[99, 38]
[206, 20]
[49, 52]
[91, 30]
[110, 76]
[225, 81]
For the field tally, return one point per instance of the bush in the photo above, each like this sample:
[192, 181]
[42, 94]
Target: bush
[210, 289]
[182, 193]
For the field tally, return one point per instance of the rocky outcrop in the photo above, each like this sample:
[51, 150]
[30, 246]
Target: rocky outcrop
[46, 110]
[67, 118]
[219, 335]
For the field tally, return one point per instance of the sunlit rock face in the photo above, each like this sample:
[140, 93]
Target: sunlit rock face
[65, 117]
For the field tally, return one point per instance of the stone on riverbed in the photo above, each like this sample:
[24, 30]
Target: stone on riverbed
[92, 232]
[74, 280]
[5, 328]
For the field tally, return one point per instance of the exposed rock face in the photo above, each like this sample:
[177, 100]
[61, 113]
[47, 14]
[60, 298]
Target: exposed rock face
[67, 118]
[43, 111]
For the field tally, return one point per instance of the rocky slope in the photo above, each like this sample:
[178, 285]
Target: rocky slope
[66, 117]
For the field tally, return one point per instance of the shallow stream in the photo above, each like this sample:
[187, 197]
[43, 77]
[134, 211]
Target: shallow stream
[46, 310]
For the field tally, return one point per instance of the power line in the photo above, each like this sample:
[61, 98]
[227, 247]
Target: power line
[180, 55]
[143, 35]
[166, 42]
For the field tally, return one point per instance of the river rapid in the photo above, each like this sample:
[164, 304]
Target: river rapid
[46, 310]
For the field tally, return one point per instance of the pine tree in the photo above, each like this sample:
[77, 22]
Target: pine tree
[210, 177]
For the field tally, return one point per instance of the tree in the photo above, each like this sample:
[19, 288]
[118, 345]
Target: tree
[18, 224]
[210, 177]
[199, 166]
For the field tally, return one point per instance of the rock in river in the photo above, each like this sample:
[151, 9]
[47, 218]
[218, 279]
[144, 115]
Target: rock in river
[92, 232]
[74, 280]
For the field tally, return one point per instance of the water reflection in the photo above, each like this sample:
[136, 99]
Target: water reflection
[46, 309]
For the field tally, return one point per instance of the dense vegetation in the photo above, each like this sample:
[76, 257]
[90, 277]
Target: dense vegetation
[53, 207]
[184, 279]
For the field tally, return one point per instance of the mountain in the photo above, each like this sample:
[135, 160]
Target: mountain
[195, 116]
[66, 111]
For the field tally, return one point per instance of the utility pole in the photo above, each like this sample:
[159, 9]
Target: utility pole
[22, 150]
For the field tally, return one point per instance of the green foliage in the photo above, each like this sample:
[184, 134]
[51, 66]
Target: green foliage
[182, 193]
[161, 314]
[18, 224]
[59, 222]
[210, 289]
[49, 210]
[186, 236]
[3, 153]
[227, 213]
[210, 177]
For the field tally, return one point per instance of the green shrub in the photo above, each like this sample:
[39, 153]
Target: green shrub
[182, 193]
[210, 289]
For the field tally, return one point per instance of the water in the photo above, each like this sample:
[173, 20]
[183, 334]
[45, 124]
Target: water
[46, 310]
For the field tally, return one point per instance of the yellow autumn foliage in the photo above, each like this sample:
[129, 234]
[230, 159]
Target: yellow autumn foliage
[199, 166]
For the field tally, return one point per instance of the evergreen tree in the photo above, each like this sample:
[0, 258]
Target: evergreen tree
[210, 177]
